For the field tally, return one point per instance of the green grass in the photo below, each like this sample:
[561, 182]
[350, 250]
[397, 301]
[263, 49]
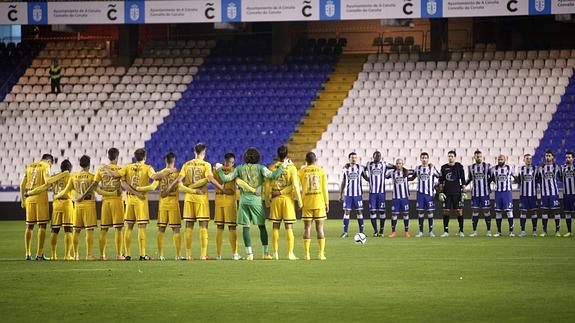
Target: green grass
[422, 280]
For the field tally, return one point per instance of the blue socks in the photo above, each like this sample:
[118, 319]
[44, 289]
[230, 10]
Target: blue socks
[421, 218]
[522, 221]
[430, 220]
[393, 222]
[474, 221]
[381, 223]
[488, 222]
[406, 222]
[373, 220]
[360, 224]
[345, 223]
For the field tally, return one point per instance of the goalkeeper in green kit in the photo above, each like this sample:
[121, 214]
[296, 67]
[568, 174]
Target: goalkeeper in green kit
[251, 207]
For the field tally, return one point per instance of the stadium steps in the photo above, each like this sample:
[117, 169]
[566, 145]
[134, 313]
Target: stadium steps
[560, 134]
[322, 110]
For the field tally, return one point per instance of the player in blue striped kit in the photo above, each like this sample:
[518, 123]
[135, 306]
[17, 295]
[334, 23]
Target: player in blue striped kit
[568, 172]
[528, 179]
[503, 176]
[479, 177]
[549, 173]
[375, 175]
[427, 176]
[350, 193]
[400, 197]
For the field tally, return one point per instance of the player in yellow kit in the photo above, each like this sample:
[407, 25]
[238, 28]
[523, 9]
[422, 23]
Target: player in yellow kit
[226, 210]
[37, 211]
[112, 214]
[85, 208]
[196, 206]
[62, 210]
[282, 206]
[169, 206]
[315, 203]
[136, 212]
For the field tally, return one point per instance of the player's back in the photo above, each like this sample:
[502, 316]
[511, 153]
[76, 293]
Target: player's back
[138, 174]
[253, 175]
[81, 181]
[286, 178]
[164, 183]
[220, 196]
[109, 183]
[37, 174]
[59, 185]
[193, 171]
[314, 187]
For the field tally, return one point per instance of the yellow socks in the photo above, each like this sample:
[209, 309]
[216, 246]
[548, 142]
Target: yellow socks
[233, 237]
[219, 241]
[204, 241]
[142, 241]
[306, 244]
[275, 239]
[27, 241]
[321, 243]
[68, 245]
[128, 242]
[118, 242]
[53, 242]
[89, 242]
[41, 238]
[188, 237]
[177, 238]
[76, 243]
[161, 243]
[102, 242]
[290, 240]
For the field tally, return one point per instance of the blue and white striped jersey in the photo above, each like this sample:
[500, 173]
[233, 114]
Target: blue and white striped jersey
[528, 180]
[426, 179]
[503, 177]
[568, 172]
[479, 177]
[549, 175]
[400, 186]
[376, 173]
[352, 180]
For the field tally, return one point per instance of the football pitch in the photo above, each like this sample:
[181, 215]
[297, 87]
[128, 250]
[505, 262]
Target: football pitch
[421, 280]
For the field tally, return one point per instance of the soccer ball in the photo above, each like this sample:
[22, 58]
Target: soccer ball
[360, 238]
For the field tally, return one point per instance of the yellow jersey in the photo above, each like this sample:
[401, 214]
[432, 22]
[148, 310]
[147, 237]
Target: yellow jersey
[138, 174]
[224, 199]
[109, 183]
[288, 178]
[60, 185]
[37, 174]
[79, 183]
[164, 183]
[193, 171]
[314, 187]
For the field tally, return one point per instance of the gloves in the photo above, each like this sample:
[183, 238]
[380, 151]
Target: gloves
[218, 166]
[464, 197]
[287, 163]
[442, 197]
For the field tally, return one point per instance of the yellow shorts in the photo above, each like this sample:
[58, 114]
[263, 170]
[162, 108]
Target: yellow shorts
[85, 217]
[282, 208]
[196, 211]
[226, 214]
[169, 215]
[62, 213]
[313, 214]
[37, 212]
[137, 212]
[112, 213]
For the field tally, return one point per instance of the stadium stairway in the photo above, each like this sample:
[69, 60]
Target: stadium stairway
[560, 134]
[324, 108]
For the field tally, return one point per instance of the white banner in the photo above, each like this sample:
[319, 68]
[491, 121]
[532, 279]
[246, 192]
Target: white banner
[182, 11]
[563, 6]
[380, 9]
[13, 13]
[286, 10]
[92, 12]
[480, 8]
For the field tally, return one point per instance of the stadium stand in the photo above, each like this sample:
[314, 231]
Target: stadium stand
[560, 134]
[499, 102]
[101, 105]
[238, 100]
[14, 59]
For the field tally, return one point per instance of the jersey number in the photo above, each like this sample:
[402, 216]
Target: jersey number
[313, 182]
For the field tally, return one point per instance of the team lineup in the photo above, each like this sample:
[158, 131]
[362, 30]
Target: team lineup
[450, 184]
[243, 193]
[252, 184]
